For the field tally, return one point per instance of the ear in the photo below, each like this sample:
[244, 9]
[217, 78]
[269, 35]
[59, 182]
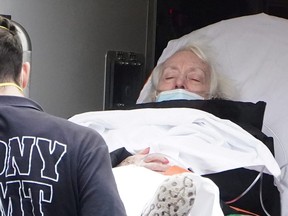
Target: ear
[25, 74]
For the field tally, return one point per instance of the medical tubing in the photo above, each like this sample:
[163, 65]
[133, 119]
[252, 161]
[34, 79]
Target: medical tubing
[283, 166]
[248, 189]
[261, 195]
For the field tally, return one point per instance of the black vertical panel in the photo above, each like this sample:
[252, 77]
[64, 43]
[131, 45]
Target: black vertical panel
[124, 78]
[6, 16]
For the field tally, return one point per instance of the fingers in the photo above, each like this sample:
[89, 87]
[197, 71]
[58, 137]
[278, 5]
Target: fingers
[144, 151]
[156, 166]
[156, 158]
[155, 161]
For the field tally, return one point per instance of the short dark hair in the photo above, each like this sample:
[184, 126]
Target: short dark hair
[11, 52]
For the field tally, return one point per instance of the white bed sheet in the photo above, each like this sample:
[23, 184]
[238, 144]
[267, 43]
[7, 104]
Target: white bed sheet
[190, 138]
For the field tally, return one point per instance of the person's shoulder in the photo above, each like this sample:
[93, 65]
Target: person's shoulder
[71, 132]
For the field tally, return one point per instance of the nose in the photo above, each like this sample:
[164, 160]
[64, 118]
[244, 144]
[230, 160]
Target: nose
[180, 83]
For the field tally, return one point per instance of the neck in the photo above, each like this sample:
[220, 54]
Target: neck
[11, 89]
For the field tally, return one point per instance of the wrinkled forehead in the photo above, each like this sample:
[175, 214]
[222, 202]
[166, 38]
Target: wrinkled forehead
[186, 58]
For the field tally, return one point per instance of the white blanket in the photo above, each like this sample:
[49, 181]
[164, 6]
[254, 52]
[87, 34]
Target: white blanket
[188, 137]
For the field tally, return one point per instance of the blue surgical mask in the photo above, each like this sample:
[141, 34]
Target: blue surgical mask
[177, 94]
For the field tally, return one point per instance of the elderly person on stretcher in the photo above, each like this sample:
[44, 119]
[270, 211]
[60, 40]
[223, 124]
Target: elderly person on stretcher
[189, 75]
[185, 75]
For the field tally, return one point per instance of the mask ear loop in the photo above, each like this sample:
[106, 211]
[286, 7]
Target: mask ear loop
[11, 84]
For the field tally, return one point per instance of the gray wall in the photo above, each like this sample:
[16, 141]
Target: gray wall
[69, 42]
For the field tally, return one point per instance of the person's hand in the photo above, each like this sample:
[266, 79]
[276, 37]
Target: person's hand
[154, 161]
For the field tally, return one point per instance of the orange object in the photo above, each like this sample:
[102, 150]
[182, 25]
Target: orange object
[175, 170]
[243, 211]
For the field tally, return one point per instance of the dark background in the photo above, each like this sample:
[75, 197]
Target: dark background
[176, 18]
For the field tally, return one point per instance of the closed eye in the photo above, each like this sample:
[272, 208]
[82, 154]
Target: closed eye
[196, 75]
[194, 78]
[170, 73]
[197, 80]
[169, 77]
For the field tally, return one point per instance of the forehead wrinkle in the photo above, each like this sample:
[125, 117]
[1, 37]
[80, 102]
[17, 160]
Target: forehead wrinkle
[171, 63]
[173, 67]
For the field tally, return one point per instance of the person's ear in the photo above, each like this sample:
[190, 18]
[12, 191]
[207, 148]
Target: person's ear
[25, 74]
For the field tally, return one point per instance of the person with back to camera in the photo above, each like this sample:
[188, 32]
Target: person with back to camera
[187, 74]
[49, 166]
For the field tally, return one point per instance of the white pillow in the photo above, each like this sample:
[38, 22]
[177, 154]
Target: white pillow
[253, 51]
